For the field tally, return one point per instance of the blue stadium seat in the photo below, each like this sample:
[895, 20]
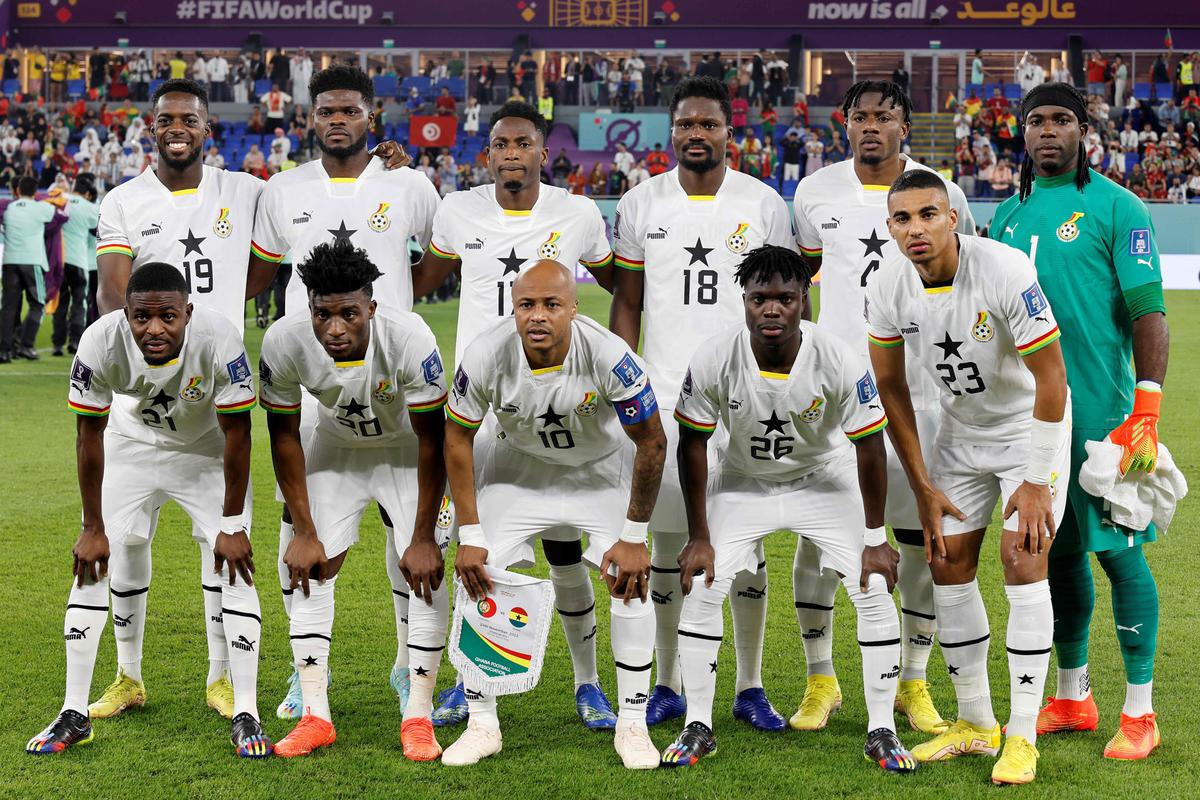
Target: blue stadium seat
[1141, 91]
[154, 84]
[1130, 160]
[261, 87]
[385, 86]
[76, 88]
[1163, 90]
[457, 87]
[973, 87]
[12, 86]
[988, 89]
[1012, 92]
[420, 82]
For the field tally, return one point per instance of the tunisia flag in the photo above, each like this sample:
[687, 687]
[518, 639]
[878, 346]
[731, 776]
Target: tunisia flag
[432, 131]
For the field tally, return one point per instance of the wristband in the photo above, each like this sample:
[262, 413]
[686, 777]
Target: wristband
[635, 532]
[232, 524]
[472, 536]
[875, 536]
[1045, 442]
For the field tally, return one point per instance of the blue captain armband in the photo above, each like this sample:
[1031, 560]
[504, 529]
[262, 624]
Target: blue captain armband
[638, 408]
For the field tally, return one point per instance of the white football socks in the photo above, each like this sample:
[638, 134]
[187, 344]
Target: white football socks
[311, 631]
[214, 621]
[83, 624]
[668, 604]
[426, 641]
[575, 601]
[1073, 684]
[286, 533]
[400, 596]
[1029, 640]
[129, 581]
[632, 626]
[879, 641]
[1138, 701]
[918, 619]
[813, 591]
[964, 634]
[748, 606]
[700, 632]
[243, 634]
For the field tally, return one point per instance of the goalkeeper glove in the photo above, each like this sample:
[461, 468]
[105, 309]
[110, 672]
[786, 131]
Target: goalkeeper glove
[1138, 434]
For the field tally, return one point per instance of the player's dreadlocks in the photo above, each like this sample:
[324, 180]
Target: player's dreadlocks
[183, 85]
[342, 76]
[156, 276]
[704, 86]
[521, 110]
[887, 91]
[763, 263]
[1068, 97]
[338, 268]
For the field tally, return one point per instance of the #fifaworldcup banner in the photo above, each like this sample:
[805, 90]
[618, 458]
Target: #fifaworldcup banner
[499, 643]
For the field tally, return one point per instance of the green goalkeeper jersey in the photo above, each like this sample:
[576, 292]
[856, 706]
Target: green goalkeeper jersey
[1098, 264]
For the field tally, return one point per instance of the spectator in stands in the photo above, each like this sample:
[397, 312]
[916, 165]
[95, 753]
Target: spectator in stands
[276, 159]
[1120, 74]
[178, 66]
[444, 105]
[741, 110]
[814, 154]
[550, 76]
[141, 72]
[1168, 112]
[658, 85]
[1129, 138]
[1060, 73]
[1002, 178]
[639, 174]
[751, 161]
[281, 141]
[10, 149]
[600, 87]
[437, 71]
[1170, 138]
[471, 117]
[415, 104]
[213, 158]
[1147, 135]
[792, 148]
[945, 170]
[1029, 73]
[485, 82]
[836, 149]
[58, 78]
[30, 149]
[528, 77]
[1187, 75]
[255, 124]
[218, 78]
[577, 181]
[276, 102]
[997, 103]
[964, 162]
[623, 159]
[800, 109]
[254, 162]
[1178, 192]
[1193, 184]
[657, 160]
[1189, 109]
[618, 181]
[26, 223]
[770, 119]
[1097, 72]
[560, 168]
[1159, 71]
[545, 106]
[597, 180]
[425, 166]
[199, 69]
[281, 70]
[1008, 132]
[300, 70]
[613, 83]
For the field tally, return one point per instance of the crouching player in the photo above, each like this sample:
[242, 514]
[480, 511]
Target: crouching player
[563, 389]
[793, 399]
[971, 312]
[377, 378]
[187, 439]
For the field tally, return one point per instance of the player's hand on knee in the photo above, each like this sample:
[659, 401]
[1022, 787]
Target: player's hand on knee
[632, 565]
[423, 568]
[932, 505]
[305, 557]
[90, 555]
[1034, 507]
[393, 154]
[882, 559]
[696, 557]
[234, 549]
[470, 564]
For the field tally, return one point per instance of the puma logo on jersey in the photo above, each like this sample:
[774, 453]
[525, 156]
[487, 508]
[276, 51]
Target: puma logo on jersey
[305, 216]
[1041, 319]
[832, 225]
[475, 245]
[1149, 264]
[658, 235]
[1134, 629]
[1010, 230]
[911, 329]
[154, 229]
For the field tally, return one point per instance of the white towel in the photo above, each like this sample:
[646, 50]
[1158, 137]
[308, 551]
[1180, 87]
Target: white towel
[1139, 498]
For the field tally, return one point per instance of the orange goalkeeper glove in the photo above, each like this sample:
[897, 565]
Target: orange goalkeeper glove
[1138, 434]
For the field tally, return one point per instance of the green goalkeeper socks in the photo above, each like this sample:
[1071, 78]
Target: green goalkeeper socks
[1074, 597]
[1135, 610]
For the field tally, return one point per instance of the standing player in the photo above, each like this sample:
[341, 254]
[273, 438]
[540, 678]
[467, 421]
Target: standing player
[379, 380]
[69, 323]
[792, 398]
[970, 312]
[345, 195]
[678, 239]
[1093, 243]
[489, 234]
[841, 224]
[187, 439]
[199, 219]
[561, 388]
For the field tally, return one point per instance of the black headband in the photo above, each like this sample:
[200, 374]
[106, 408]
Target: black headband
[1055, 94]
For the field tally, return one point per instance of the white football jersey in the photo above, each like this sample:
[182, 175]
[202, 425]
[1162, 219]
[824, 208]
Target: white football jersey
[362, 403]
[780, 427]
[204, 232]
[171, 406]
[494, 244]
[566, 415]
[689, 248]
[969, 337]
[377, 211]
[845, 223]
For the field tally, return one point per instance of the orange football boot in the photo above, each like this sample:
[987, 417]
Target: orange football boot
[1066, 716]
[309, 734]
[1136, 738]
[416, 735]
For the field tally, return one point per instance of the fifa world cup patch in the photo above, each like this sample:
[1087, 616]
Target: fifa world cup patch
[627, 371]
[1035, 301]
[1139, 242]
[432, 368]
[866, 389]
[1069, 230]
[379, 221]
[588, 406]
[223, 227]
[813, 412]
[265, 376]
[81, 376]
[239, 369]
[192, 392]
[738, 242]
[384, 392]
[549, 249]
[982, 331]
[461, 383]
[686, 389]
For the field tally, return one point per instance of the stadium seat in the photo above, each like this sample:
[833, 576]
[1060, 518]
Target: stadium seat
[1163, 90]
[457, 87]
[76, 88]
[261, 87]
[154, 84]
[385, 86]
[12, 86]
[1141, 91]
[1012, 92]
[1130, 160]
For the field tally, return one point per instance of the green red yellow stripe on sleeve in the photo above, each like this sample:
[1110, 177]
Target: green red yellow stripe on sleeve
[466, 422]
[810, 252]
[629, 263]
[688, 422]
[440, 253]
[1049, 337]
[234, 408]
[885, 341]
[432, 405]
[280, 408]
[87, 411]
[265, 254]
[867, 430]
[114, 248]
[604, 262]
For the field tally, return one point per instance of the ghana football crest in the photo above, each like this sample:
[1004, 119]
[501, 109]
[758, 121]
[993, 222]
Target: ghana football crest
[982, 331]
[589, 406]
[549, 248]
[223, 227]
[379, 221]
[1069, 230]
[384, 392]
[813, 412]
[192, 392]
[737, 241]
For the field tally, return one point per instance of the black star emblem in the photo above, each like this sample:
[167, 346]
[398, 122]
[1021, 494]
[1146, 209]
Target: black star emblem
[712, 665]
[551, 418]
[774, 424]
[1026, 678]
[162, 399]
[874, 244]
[342, 232]
[354, 408]
[699, 253]
[953, 669]
[949, 348]
[513, 262]
[309, 661]
[192, 244]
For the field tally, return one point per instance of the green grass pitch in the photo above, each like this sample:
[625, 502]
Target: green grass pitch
[175, 747]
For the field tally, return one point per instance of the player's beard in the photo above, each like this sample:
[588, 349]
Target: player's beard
[513, 186]
[180, 164]
[344, 152]
[703, 165]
